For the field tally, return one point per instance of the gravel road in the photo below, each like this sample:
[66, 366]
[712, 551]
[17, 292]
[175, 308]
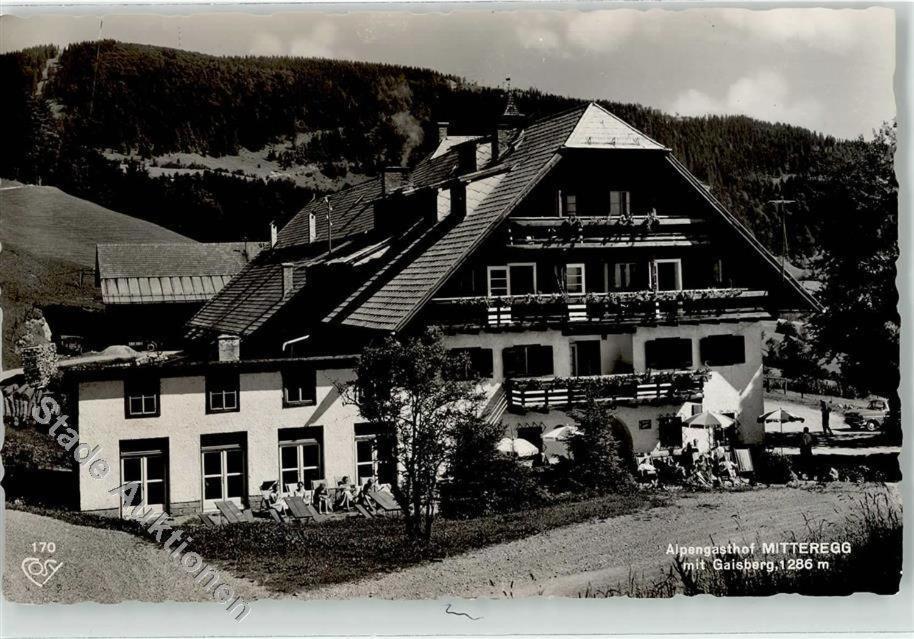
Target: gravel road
[600, 554]
[99, 565]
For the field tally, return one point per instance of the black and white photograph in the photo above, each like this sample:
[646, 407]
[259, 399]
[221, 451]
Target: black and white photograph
[318, 303]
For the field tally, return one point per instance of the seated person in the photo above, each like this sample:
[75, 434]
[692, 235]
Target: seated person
[344, 496]
[299, 490]
[363, 497]
[646, 469]
[276, 502]
[727, 470]
[321, 499]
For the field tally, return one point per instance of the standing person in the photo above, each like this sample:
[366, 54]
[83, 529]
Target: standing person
[806, 442]
[825, 409]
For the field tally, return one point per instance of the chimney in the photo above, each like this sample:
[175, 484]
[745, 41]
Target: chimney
[466, 158]
[273, 233]
[442, 131]
[312, 228]
[459, 200]
[392, 178]
[229, 348]
[287, 271]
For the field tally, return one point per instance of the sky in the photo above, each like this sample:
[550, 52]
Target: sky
[830, 70]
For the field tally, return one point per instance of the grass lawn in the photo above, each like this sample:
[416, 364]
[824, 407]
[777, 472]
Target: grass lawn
[289, 557]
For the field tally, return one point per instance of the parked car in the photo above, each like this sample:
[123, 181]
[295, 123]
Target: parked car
[871, 418]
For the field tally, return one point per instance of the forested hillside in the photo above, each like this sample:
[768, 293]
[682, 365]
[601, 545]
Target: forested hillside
[345, 118]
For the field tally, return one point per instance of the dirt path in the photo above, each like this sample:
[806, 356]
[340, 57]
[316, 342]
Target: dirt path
[98, 565]
[600, 554]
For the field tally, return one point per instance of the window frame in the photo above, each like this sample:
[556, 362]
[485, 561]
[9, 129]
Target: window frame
[487, 371]
[233, 388]
[625, 203]
[532, 266]
[575, 352]
[286, 373]
[156, 396]
[679, 277]
[617, 283]
[507, 278]
[583, 268]
[526, 350]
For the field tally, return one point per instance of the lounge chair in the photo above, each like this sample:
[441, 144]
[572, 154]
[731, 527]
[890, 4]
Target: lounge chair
[300, 511]
[363, 511]
[743, 460]
[385, 501]
[209, 521]
[232, 513]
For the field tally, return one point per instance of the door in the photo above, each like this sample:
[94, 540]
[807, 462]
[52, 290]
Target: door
[669, 275]
[300, 462]
[223, 476]
[143, 475]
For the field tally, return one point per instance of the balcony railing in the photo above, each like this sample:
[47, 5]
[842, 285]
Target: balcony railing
[538, 393]
[640, 229]
[596, 308]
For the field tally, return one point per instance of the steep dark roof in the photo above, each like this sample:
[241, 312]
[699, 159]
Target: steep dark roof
[353, 213]
[534, 153]
[251, 298]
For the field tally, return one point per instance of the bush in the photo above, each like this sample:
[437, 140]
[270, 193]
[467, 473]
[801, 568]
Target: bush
[483, 480]
[772, 468]
[601, 463]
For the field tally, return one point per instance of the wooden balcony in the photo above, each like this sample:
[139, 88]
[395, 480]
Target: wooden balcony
[658, 388]
[638, 307]
[605, 232]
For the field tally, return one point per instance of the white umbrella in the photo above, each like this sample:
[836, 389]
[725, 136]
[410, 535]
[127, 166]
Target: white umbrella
[707, 418]
[555, 442]
[561, 433]
[779, 416]
[517, 446]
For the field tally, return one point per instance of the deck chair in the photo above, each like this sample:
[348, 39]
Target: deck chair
[301, 511]
[209, 521]
[277, 517]
[743, 461]
[232, 514]
[385, 501]
[363, 511]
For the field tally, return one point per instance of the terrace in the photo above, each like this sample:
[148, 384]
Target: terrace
[605, 232]
[613, 308]
[632, 388]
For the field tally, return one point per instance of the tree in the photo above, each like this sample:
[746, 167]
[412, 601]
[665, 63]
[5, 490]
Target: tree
[602, 464]
[413, 388]
[484, 480]
[860, 324]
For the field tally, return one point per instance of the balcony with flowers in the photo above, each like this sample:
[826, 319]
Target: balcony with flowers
[662, 387]
[612, 308]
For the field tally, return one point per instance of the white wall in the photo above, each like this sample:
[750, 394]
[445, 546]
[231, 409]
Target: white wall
[183, 420]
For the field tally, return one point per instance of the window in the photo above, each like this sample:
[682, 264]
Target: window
[718, 271]
[625, 276]
[574, 279]
[222, 392]
[585, 358]
[300, 456]
[498, 281]
[531, 360]
[299, 387]
[374, 454]
[669, 352]
[144, 469]
[568, 204]
[723, 350]
[670, 431]
[619, 202]
[513, 279]
[222, 459]
[644, 424]
[475, 363]
[669, 274]
[141, 397]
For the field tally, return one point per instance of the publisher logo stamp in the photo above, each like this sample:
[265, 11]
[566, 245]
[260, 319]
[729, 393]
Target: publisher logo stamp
[39, 571]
